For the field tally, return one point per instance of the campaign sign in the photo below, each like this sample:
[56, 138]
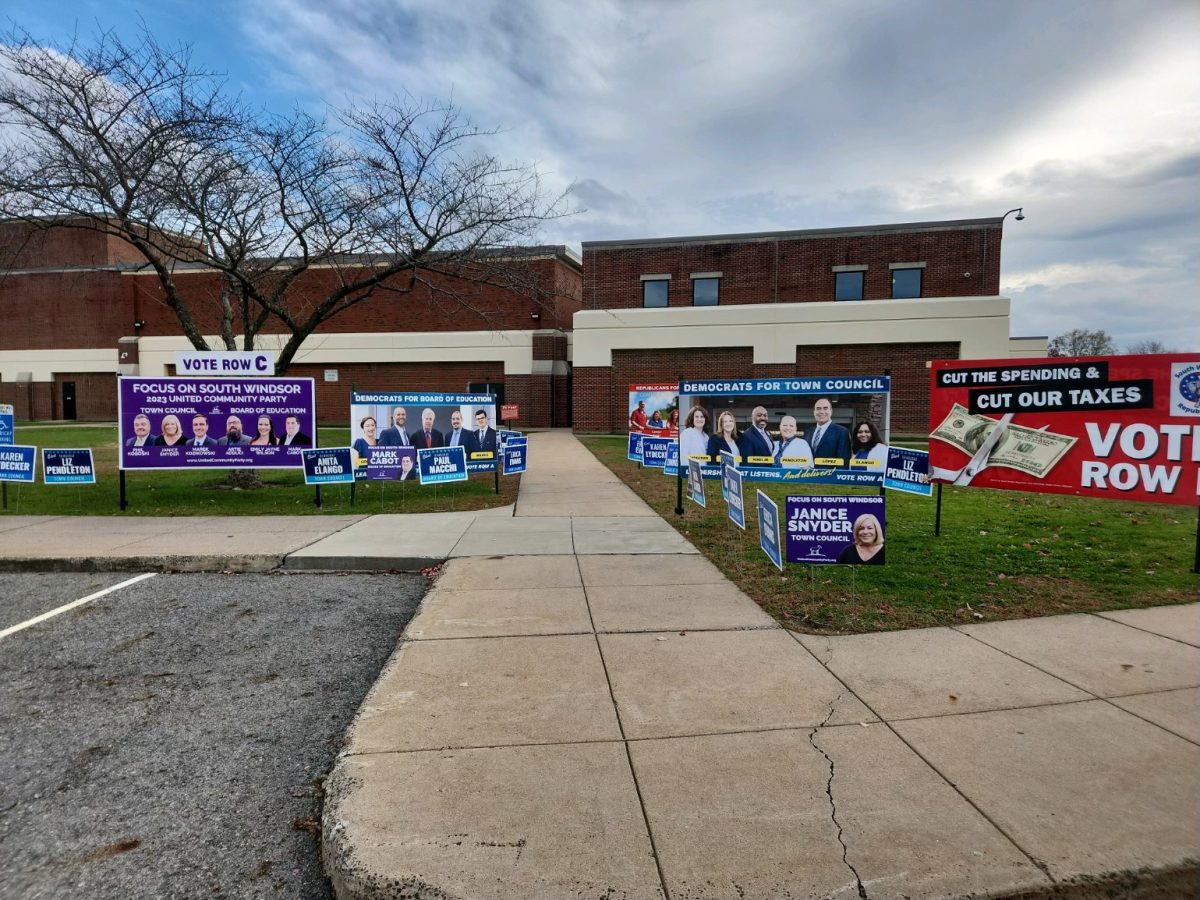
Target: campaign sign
[829, 530]
[731, 489]
[695, 482]
[224, 363]
[328, 465]
[214, 423]
[791, 429]
[68, 466]
[423, 421]
[654, 409]
[1119, 427]
[7, 426]
[634, 451]
[505, 434]
[768, 529]
[907, 471]
[442, 464]
[384, 463]
[655, 450]
[18, 463]
[671, 460]
[516, 455]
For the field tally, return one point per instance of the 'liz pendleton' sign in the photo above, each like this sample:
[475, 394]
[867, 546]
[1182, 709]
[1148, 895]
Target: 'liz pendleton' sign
[1122, 427]
[67, 466]
[218, 423]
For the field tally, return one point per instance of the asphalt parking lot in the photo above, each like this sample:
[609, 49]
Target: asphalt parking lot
[170, 738]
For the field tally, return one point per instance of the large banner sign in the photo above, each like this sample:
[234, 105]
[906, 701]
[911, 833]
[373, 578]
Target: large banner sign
[827, 430]
[654, 409]
[835, 530]
[1122, 427]
[396, 421]
[219, 423]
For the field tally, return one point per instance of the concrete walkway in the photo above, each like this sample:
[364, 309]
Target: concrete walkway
[584, 707]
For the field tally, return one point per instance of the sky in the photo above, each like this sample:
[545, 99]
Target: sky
[684, 117]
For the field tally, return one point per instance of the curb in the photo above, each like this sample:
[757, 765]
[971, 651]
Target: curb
[407, 564]
[216, 563]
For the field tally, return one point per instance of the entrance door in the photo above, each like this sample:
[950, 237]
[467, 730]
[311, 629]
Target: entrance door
[484, 387]
[68, 400]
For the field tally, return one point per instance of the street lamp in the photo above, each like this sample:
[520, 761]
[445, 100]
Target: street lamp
[1020, 215]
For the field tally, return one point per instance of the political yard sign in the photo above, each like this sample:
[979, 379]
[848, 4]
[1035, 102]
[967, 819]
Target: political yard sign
[68, 466]
[1121, 427]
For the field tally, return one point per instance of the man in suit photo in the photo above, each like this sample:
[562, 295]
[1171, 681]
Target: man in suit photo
[200, 436]
[141, 432]
[755, 441]
[483, 438]
[457, 436]
[395, 435]
[233, 434]
[428, 436]
[292, 436]
[827, 439]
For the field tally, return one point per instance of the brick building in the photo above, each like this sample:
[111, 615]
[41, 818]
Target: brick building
[77, 307]
[836, 301]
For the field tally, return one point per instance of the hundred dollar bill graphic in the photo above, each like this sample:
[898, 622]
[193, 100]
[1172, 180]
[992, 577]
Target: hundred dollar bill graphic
[1024, 449]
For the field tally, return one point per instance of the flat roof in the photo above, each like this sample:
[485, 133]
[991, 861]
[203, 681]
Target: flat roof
[948, 225]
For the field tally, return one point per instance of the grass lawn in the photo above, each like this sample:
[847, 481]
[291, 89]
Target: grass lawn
[1001, 555]
[180, 493]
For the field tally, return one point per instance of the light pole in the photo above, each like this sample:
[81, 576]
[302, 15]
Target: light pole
[1018, 211]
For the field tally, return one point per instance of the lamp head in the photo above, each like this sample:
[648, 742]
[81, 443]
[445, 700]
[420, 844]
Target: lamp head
[1019, 216]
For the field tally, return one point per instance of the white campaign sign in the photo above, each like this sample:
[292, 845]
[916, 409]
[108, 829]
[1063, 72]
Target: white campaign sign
[220, 363]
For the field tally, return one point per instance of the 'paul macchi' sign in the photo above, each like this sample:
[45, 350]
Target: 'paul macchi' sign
[1124, 427]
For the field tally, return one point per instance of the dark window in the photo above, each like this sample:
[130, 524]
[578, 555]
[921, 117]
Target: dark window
[654, 293]
[848, 285]
[906, 283]
[706, 291]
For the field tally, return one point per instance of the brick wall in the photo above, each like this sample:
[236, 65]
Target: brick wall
[798, 269]
[95, 396]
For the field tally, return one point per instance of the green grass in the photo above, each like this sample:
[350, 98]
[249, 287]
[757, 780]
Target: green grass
[1001, 555]
[181, 493]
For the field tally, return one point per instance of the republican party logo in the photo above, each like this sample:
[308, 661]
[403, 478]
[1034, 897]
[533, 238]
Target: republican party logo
[1185, 389]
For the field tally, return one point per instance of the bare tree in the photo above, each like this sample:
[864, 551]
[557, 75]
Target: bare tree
[1143, 347]
[135, 141]
[1082, 342]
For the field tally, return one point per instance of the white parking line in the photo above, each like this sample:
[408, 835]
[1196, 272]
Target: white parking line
[74, 603]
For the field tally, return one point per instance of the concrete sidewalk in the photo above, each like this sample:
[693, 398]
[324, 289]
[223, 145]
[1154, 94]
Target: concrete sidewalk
[578, 719]
[585, 707]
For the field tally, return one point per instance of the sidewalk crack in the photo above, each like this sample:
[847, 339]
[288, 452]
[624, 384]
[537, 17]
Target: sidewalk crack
[812, 739]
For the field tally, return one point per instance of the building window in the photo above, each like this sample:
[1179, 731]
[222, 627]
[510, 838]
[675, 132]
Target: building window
[848, 285]
[654, 294]
[906, 283]
[706, 291]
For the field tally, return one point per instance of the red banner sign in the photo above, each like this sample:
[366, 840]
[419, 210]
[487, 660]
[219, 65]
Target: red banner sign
[1121, 427]
[509, 412]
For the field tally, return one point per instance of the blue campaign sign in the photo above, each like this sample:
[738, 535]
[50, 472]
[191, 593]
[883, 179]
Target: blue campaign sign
[635, 447]
[655, 450]
[442, 464]
[18, 463]
[695, 482]
[328, 465]
[768, 529]
[908, 471]
[505, 434]
[67, 467]
[731, 489]
[8, 429]
[516, 456]
[671, 460]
